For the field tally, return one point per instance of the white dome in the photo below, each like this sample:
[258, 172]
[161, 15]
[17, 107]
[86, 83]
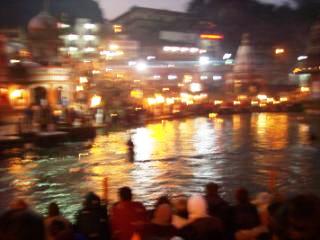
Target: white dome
[43, 21]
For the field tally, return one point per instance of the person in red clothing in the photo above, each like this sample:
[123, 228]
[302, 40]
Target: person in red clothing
[127, 216]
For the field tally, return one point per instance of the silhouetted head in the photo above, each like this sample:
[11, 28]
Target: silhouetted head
[162, 200]
[56, 227]
[92, 200]
[53, 210]
[125, 194]
[303, 217]
[180, 206]
[242, 196]
[212, 189]
[19, 204]
[21, 225]
[162, 214]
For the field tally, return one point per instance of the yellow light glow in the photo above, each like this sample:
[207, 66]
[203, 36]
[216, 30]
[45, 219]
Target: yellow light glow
[151, 101]
[18, 93]
[117, 28]
[218, 102]
[3, 90]
[242, 97]
[304, 89]
[262, 97]
[262, 105]
[236, 103]
[83, 79]
[79, 88]
[270, 100]
[136, 94]
[284, 99]
[165, 89]
[211, 36]
[213, 115]
[170, 101]
[195, 87]
[113, 47]
[254, 103]
[279, 51]
[296, 70]
[96, 101]
[190, 102]
[187, 78]
[160, 98]
[114, 115]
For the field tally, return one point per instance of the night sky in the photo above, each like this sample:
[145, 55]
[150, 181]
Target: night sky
[113, 8]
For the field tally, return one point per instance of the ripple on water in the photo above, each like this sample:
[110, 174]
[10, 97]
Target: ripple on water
[175, 157]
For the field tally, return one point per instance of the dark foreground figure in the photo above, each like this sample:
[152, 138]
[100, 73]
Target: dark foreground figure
[207, 217]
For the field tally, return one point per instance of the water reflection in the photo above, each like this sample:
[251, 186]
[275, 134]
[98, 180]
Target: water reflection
[259, 151]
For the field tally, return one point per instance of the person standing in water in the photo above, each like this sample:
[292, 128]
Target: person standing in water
[130, 146]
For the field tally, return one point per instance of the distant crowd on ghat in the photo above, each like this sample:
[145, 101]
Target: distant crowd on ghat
[205, 216]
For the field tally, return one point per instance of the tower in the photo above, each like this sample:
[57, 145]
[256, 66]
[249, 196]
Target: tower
[244, 78]
[43, 36]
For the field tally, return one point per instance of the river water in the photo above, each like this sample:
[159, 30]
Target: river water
[258, 151]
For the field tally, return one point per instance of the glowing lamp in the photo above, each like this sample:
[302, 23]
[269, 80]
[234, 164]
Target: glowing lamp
[213, 115]
[79, 88]
[160, 98]
[262, 97]
[83, 80]
[170, 101]
[304, 89]
[141, 66]
[89, 26]
[279, 51]
[284, 99]
[151, 101]
[204, 60]
[254, 103]
[195, 87]
[113, 47]
[95, 101]
[218, 102]
[18, 93]
[136, 94]
[211, 36]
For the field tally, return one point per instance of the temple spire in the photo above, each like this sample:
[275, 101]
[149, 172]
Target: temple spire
[46, 5]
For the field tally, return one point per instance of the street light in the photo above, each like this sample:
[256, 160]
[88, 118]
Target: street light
[95, 101]
[204, 60]
[279, 51]
[195, 87]
[141, 66]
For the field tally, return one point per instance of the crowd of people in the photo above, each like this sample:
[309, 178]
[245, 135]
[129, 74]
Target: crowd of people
[199, 217]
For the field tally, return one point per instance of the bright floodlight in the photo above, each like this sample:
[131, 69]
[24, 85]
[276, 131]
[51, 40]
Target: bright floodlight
[216, 77]
[141, 66]
[96, 101]
[301, 58]
[227, 56]
[195, 87]
[204, 60]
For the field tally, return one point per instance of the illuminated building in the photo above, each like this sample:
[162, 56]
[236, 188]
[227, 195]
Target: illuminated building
[43, 38]
[145, 24]
[81, 39]
[245, 77]
[308, 69]
[40, 79]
